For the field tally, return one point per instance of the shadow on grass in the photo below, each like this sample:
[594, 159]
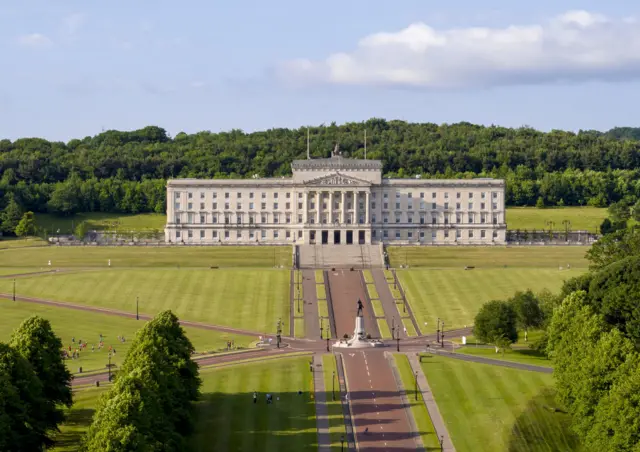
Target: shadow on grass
[77, 422]
[232, 422]
[543, 425]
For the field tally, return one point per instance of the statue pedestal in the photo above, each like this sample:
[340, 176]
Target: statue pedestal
[359, 338]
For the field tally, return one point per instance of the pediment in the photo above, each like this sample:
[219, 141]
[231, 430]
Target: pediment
[339, 180]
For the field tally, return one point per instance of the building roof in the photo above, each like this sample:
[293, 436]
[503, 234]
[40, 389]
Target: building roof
[336, 162]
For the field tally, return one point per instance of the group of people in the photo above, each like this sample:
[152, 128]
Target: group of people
[269, 398]
[73, 350]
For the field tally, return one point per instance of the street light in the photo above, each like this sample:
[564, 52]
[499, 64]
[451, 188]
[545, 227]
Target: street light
[333, 385]
[342, 442]
[442, 336]
[137, 312]
[14, 289]
[416, 385]
[398, 338]
[438, 330]
[442, 443]
[567, 228]
[109, 365]
[321, 327]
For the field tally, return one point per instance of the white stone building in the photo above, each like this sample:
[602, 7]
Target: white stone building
[336, 200]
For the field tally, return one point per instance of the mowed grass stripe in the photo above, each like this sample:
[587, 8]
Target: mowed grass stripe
[457, 295]
[249, 299]
[500, 408]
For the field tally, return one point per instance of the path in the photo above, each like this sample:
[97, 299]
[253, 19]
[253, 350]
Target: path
[386, 298]
[322, 411]
[430, 403]
[379, 416]
[495, 362]
[311, 316]
[346, 288]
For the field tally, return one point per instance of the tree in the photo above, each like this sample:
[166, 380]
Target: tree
[30, 422]
[540, 203]
[635, 211]
[26, 226]
[35, 340]
[619, 212]
[495, 320]
[614, 247]
[528, 311]
[11, 216]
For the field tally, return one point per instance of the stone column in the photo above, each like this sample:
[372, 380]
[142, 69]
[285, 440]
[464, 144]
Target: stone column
[343, 205]
[331, 207]
[319, 200]
[356, 212]
[366, 207]
[305, 212]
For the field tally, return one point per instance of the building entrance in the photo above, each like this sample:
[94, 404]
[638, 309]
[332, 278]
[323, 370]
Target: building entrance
[361, 237]
[325, 237]
[336, 237]
[312, 237]
[349, 237]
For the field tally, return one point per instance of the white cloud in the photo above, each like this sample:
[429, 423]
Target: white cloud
[575, 46]
[35, 40]
[74, 22]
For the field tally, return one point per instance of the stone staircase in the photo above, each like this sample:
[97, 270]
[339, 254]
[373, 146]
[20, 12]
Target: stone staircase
[340, 256]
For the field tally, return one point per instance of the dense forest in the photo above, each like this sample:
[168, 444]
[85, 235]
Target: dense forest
[126, 171]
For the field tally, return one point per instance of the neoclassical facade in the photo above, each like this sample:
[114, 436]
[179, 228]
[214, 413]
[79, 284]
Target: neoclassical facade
[336, 201]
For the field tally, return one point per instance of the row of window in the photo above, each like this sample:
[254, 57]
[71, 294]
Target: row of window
[409, 217]
[385, 206]
[287, 195]
[398, 234]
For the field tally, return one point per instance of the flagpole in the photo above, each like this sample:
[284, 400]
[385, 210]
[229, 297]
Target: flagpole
[365, 144]
[308, 155]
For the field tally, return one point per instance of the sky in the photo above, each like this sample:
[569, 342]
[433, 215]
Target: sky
[71, 68]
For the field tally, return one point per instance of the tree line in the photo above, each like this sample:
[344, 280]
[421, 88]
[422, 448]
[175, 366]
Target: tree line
[125, 172]
[592, 333]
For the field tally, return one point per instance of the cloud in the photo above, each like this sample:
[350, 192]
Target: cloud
[35, 40]
[74, 22]
[575, 46]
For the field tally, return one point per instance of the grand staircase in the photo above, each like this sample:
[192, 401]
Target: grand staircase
[340, 256]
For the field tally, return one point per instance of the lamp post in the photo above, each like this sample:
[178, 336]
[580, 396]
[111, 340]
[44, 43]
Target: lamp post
[333, 385]
[109, 365]
[321, 327]
[137, 312]
[279, 333]
[442, 336]
[567, 228]
[342, 443]
[328, 334]
[398, 339]
[416, 385]
[442, 443]
[438, 330]
[14, 289]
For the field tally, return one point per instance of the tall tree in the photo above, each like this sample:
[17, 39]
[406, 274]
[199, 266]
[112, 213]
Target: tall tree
[11, 216]
[528, 311]
[35, 340]
[26, 226]
[496, 320]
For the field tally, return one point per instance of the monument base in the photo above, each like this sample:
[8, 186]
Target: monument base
[359, 338]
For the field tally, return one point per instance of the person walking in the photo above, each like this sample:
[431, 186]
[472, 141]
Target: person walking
[255, 397]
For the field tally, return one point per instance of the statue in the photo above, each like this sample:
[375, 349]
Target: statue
[360, 307]
[335, 150]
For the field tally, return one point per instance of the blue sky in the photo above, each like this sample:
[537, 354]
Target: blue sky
[71, 68]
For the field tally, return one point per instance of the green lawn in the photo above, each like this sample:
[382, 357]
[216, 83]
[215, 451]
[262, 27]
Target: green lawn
[336, 419]
[383, 326]
[455, 296]
[137, 256]
[142, 222]
[373, 292]
[250, 299]
[228, 420]
[489, 257]
[368, 277]
[408, 324]
[88, 326]
[321, 292]
[518, 355]
[78, 419]
[418, 408]
[12, 242]
[298, 326]
[4, 271]
[323, 308]
[581, 218]
[319, 275]
[497, 408]
[378, 310]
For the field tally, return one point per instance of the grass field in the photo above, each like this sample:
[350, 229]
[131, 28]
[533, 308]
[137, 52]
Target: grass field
[368, 277]
[581, 218]
[438, 286]
[78, 420]
[336, 419]
[418, 408]
[408, 325]
[5, 271]
[12, 242]
[518, 355]
[323, 308]
[142, 222]
[499, 408]
[298, 327]
[489, 257]
[72, 257]
[383, 326]
[250, 299]
[378, 310]
[373, 292]
[88, 326]
[228, 420]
